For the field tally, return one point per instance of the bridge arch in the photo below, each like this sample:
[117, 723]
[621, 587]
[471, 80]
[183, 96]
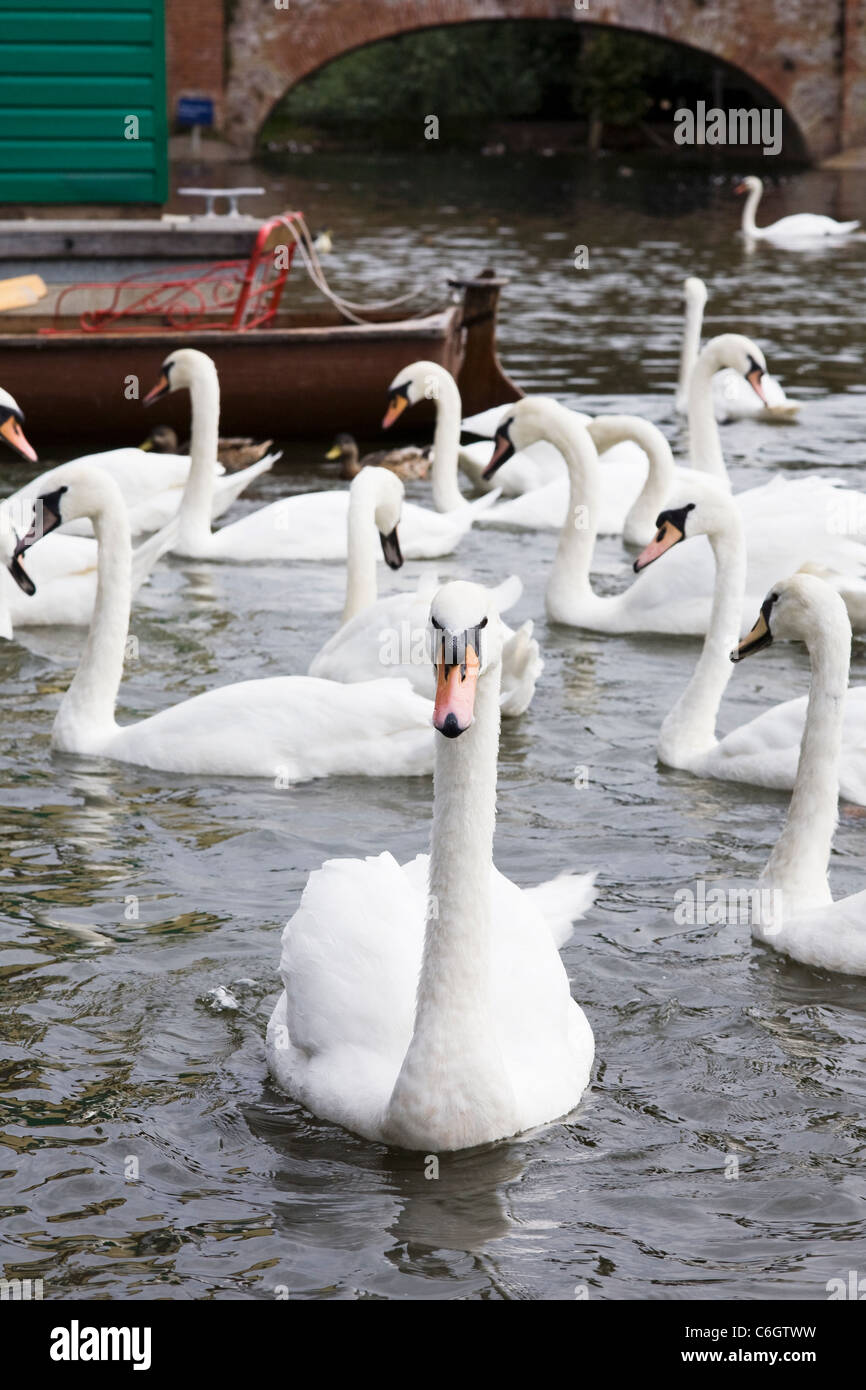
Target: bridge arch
[810, 58]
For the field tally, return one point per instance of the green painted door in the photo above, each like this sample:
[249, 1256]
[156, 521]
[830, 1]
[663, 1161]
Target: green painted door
[82, 101]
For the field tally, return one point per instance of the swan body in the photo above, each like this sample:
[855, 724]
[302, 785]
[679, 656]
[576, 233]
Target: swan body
[311, 526]
[796, 913]
[425, 1005]
[733, 397]
[802, 226]
[765, 751]
[387, 636]
[286, 728]
[675, 598]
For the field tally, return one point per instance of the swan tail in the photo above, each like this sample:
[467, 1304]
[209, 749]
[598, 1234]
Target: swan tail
[562, 901]
[522, 664]
[506, 594]
[230, 486]
[145, 556]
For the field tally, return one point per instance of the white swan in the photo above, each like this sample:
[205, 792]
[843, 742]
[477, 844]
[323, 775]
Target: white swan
[65, 570]
[676, 598]
[286, 728]
[796, 912]
[764, 751]
[11, 422]
[311, 526]
[387, 636]
[802, 226]
[733, 397]
[426, 1005]
[629, 480]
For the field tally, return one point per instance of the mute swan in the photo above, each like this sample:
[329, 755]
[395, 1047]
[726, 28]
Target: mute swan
[286, 728]
[235, 452]
[547, 508]
[677, 597]
[387, 636]
[797, 914]
[406, 463]
[801, 226]
[426, 1005]
[733, 397]
[765, 751]
[308, 527]
[65, 570]
[11, 421]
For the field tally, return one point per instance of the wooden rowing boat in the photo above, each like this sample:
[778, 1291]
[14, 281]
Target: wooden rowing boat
[282, 373]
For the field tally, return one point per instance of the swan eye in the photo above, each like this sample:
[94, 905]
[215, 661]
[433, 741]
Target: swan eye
[482, 624]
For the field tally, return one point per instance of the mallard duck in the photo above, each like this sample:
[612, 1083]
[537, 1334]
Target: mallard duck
[407, 463]
[234, 454]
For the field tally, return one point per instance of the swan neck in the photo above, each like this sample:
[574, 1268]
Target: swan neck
[705, 444]
[690, 728]
[569, 582]
[362, 544]
[196, 505]
[691, 346]
[446, 445]
[750, 208]
[454, 1055]
[660, 478]
[89, 703]
[799, 861]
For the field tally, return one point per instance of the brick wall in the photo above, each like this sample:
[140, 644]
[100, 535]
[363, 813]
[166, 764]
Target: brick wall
[194, 42]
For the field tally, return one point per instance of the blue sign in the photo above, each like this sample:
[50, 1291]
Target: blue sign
[195, 111]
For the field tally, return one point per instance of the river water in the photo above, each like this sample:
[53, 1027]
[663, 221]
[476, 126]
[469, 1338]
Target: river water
[719, 1152]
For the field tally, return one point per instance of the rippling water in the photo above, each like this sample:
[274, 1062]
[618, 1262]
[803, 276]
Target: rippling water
[144, 1152]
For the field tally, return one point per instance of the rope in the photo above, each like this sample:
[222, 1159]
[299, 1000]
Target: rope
[351, 310]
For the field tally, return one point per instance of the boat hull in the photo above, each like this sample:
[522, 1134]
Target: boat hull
[86, 388]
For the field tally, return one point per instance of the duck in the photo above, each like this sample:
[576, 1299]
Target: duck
[676, 598]
[425, 1004]
[386, 636]
[796, 914]
[310, 526]
[765, 751]
[802, 226]
[733, 397]
[234, 453]
[287, 729]
[407, 463]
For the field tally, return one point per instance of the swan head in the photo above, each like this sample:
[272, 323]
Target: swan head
[750, 184]
[525, 423]
[11, 420]
[420, 381]
[68, 493]
[701, 507]
[180, 370]
[741, 354]
[380, 491]
[695, 291]
[466, 642]
[804, 608]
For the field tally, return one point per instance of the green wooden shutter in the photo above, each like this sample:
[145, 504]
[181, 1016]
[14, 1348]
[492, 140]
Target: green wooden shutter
[72, 73]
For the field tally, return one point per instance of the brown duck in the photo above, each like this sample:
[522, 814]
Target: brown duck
[234, 454]
[407, 463]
